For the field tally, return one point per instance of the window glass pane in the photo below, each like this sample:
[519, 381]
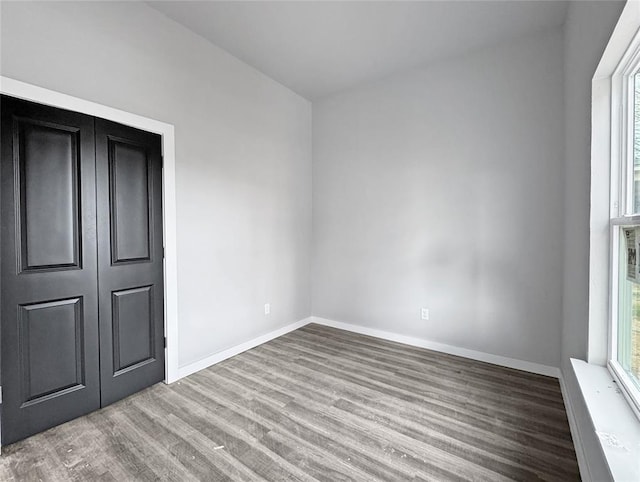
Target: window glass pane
[636, 143]
[629, 304]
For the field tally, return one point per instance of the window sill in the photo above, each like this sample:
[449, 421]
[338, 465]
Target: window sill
[615, 424]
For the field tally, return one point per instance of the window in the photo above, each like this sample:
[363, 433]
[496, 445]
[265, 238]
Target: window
[624, 339]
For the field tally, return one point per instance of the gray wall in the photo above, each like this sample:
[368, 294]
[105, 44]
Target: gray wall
[243, 154]
[587, 30]
[443, 188]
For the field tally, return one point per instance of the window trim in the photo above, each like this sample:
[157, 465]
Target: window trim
[622, 93]
[608, 412]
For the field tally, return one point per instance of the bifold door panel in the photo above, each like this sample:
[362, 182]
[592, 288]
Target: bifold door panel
[129, 259]
[49, 303]
[81, 271]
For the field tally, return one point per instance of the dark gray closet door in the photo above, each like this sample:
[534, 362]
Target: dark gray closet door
[130, 252]
[49, 305]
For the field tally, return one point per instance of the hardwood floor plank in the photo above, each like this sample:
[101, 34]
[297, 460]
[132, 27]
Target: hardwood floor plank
[421, 457]
[265, 463]
[548, 395]
[446, 386]
[449, 368]
[82, 439]
[520, 465]
[156, 452]
[384, 348]
[352, 449]
[419, 413]
[513, 417]
[347, 387]
[318, 404]
[125, 460]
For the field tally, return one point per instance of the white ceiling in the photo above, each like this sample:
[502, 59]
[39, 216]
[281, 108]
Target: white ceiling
[317, 48]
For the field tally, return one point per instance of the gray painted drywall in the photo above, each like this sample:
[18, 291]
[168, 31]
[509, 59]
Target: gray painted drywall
[587, 30]
[441, 185]
[443, 188]
[243, 154]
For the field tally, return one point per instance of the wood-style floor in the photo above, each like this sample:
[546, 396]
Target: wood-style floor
[318, 404]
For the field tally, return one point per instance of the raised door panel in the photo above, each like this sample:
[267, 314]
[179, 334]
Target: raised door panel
[51, 342]
[133, 328]
[129, 201]
[48, 208]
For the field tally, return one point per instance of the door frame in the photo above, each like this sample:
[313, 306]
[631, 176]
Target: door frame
[23, 90]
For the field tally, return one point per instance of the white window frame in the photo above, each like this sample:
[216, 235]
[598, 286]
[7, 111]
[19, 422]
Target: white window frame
[621, 201]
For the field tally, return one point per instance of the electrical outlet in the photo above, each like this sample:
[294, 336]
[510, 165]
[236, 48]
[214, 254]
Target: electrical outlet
[424, 313]
[267, 308]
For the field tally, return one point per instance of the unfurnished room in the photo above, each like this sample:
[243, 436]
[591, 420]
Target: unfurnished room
[320, 240]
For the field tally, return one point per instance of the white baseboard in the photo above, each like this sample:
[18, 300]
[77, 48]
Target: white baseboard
[386, 335]
[235, 350]
[441, 347]
[575, 433]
